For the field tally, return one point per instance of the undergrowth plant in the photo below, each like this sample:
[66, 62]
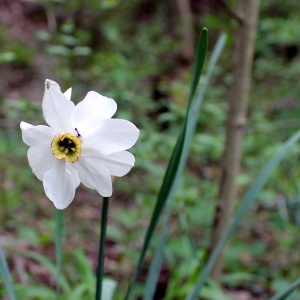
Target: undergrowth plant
[69, 146]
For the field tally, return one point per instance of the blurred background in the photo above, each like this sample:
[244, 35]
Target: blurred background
[140, 53]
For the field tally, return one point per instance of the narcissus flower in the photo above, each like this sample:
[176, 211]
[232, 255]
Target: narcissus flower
[81, 144]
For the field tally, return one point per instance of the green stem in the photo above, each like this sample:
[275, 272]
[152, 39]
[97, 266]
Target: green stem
[58, 248]
[101, 255]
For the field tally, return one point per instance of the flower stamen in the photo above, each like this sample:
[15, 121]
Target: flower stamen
[66, 146]
[78, 134]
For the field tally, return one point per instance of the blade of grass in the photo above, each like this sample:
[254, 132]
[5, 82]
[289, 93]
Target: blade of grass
[183, 225]
[58, 249]
[174, 161]
[83, 266]
[287, 291]
[100, 269]
[155, 266]
[199, 63]
[51, 267]
[157, 260]
[247, 201]
[6, 276]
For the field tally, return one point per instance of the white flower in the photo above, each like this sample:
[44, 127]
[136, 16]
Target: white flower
[82, 144]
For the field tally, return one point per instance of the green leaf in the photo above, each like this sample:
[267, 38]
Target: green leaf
[79, 291]
[51, 267]
[286, 292]
[191, 125]
[238, 278]
[82, 51]
[200, 59]
[213, 291]
[58, 50]
[157, 260]
[83, 266]
[6, 275]
[35, 292]
[247, 201]
[173, 166]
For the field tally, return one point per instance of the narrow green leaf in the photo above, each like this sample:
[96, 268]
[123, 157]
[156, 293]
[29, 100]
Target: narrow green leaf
[183, 224]
[191, 125]
[157, 260]
[247, 201]
[83, 266]
[35, 292]
[51, 267]
[173, 163]
[6, 276]
[78, 292]
[100, 269]
[286, 292]
[199, 63]
[58, 248]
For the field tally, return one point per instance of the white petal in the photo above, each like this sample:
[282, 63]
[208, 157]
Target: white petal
[40, 160]
[68, 93]
[119, 163]
[113, 135]
[24, 125]
[72, 170]
[60, 184]
[94, 175]
[57, 109]
[35, 136]
[92, 110]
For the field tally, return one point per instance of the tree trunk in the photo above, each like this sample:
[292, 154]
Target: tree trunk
[187, 30]
[244, 42]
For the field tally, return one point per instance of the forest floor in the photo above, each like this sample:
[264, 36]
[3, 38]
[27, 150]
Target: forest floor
[21, 21]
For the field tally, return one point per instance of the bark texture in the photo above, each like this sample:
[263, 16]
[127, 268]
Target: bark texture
[244, 42]
[187, 29]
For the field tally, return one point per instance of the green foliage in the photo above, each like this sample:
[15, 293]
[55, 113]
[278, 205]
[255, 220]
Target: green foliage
[248, 199]
[78, 284]
[170, 178]
[5, 276]
[129, 50]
